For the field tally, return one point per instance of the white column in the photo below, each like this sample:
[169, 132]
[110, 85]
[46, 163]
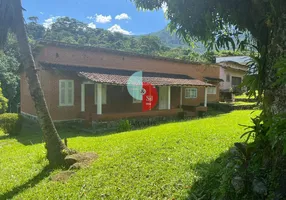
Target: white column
[169, 97]
[206, 96]
[181, 97]
[99, 99]
[82, 97]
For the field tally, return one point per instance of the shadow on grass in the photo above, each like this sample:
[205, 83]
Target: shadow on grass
[32, 134]
[209, 178]
[45, 172]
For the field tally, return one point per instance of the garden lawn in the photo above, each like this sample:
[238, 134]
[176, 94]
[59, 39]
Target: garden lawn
[153, 163]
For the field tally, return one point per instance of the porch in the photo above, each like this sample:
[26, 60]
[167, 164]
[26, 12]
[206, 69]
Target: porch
[102, 94]
[103, 102]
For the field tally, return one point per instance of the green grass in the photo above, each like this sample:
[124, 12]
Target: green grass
[244, 96]
[240, 103]
[152, 163]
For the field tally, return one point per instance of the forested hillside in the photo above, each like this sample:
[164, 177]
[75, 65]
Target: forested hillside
[173, 41]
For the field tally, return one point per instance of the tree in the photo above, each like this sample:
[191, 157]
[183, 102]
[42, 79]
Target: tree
[219, 23]
[9, 80]
[35, 30]
[3, 102]
[33, 19]
[11, 18]
[149, 44]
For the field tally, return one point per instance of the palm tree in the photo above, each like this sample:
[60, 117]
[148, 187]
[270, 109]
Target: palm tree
[11, 18]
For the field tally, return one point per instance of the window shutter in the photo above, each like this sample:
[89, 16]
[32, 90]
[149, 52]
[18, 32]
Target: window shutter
[66, 92]
[70, 93]
[194, 92]
[62, 92]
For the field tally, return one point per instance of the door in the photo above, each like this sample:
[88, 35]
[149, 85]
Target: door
[163, 98]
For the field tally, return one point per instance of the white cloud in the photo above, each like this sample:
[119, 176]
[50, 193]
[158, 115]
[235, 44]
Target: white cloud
[164, 7]
[118, 29]
[41, 13]
[100, 18]
[122, 16]
[49, 22]
[103, 19]
[92, 25]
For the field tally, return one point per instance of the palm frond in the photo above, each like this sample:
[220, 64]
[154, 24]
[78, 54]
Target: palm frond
[7, 16]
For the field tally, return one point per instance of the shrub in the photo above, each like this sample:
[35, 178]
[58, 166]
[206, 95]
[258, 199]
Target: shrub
[181, 115]
[3, 102]
[221, 107]
[124, 125]
[11, 123]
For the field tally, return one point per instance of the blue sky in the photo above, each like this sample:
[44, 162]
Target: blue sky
[115, 15]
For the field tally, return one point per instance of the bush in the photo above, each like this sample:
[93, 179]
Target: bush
[223, 107]
[3, 102]
[11, 123]
[181, 115]
[124, 125]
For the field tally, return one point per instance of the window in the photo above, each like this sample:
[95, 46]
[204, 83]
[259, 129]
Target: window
[227, 78]
[191, 93]
[235, 81]
[66, 90]
[211, 90]
[104, 94]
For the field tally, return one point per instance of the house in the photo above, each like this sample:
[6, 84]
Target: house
[82, 82]
[232, 71]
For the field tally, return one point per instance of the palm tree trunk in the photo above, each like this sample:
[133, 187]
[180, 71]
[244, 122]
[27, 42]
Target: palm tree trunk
[56, 150]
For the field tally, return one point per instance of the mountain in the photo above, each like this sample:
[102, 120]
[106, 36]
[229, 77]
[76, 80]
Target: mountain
[173, 41]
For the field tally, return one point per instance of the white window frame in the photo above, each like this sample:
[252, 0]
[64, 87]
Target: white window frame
[190, 92]
[66, 103]
[104, 94]
[212, 91]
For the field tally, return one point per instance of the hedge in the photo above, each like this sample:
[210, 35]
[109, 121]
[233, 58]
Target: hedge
[11, 123]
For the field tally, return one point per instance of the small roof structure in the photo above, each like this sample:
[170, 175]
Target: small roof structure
[243, 60]
[120, 77]
[238, 63]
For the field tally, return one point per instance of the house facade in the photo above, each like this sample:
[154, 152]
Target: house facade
[91, 83]
[232, 71]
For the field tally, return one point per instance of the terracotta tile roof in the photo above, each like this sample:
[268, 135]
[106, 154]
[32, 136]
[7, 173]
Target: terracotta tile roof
[213, 79]
[120, 77]
[156, 81]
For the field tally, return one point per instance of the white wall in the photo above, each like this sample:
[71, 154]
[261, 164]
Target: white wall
[223, 72]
